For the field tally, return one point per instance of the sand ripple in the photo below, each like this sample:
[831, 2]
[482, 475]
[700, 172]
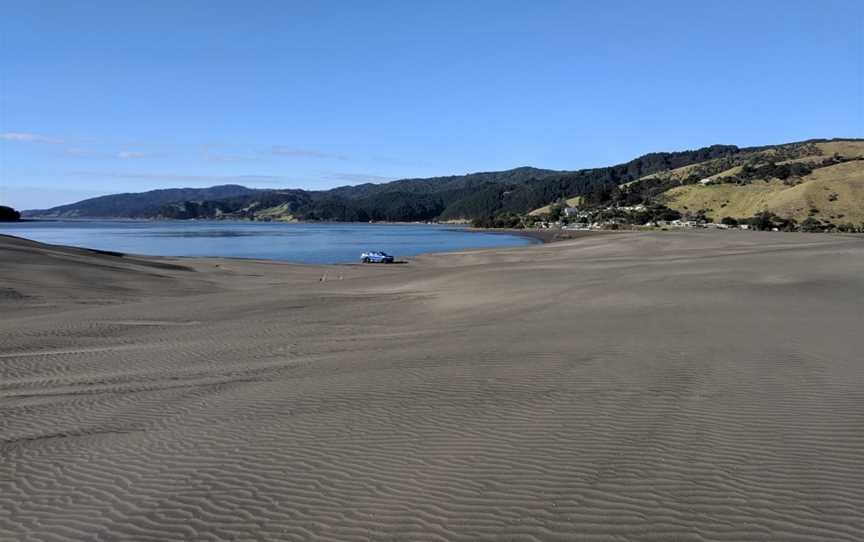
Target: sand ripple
[629, 388]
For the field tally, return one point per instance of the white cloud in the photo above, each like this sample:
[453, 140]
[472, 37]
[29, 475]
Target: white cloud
[119, 155]
[225, 158]
[129, 155]
[28, 137]
[173, 177]
[294, 152]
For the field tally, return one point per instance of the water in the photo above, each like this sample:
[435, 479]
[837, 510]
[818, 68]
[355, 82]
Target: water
[303, 243]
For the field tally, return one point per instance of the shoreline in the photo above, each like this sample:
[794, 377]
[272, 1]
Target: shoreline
[534, 237]
[546, 236]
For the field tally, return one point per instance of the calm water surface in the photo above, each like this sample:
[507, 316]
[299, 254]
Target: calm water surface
[305, 243]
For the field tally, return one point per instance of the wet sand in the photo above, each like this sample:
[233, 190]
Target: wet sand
[550, 235]
[645, 386]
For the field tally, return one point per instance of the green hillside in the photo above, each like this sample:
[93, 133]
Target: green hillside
[476, 196]
[832, 190]
[798, 180]
[820, 179]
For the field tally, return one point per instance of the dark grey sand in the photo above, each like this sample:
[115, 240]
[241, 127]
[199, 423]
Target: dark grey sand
[660, 386]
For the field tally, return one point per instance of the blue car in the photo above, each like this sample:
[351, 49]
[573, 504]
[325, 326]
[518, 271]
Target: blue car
[376, 257]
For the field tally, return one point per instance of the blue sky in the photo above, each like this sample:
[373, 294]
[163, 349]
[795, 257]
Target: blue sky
[101, 97]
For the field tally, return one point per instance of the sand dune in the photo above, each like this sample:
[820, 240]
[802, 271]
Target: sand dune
[665, 386]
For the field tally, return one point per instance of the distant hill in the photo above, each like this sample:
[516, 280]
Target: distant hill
[403, 200]
[719, 179]
[826, 182]
[8, 214]
[138, 205]
[820, 179]
[458, 197]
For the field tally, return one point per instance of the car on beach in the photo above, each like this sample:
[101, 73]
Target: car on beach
[376, 257]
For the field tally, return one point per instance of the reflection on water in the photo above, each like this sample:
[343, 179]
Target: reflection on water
[207, 233]
[304, 243]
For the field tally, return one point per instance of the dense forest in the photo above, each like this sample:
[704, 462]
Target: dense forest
[138, 205]
[476, 196]
[8, 214]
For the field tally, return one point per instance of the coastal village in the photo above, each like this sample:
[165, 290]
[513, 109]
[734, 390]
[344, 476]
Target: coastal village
[575, 218]
[633, 218]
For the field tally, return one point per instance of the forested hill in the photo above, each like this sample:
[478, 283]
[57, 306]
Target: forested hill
[471, 196]
[138, 205]
[8, 214]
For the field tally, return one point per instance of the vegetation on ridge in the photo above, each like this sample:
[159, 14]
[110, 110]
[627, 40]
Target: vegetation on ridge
[820, 180]
[812, 185]
[8, 214]
[461, 197]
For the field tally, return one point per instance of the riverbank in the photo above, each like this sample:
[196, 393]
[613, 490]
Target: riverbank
[302, 243]
[548, 235]
[674, 385]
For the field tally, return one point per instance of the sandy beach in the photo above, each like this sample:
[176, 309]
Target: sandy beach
[645, 386]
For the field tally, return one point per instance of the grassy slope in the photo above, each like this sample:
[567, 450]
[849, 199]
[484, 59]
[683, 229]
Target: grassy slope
[678, 173]
[749, 197]
[843, 148]
[723, 199]
[281, 213]
[846, 181]
[572, 202]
